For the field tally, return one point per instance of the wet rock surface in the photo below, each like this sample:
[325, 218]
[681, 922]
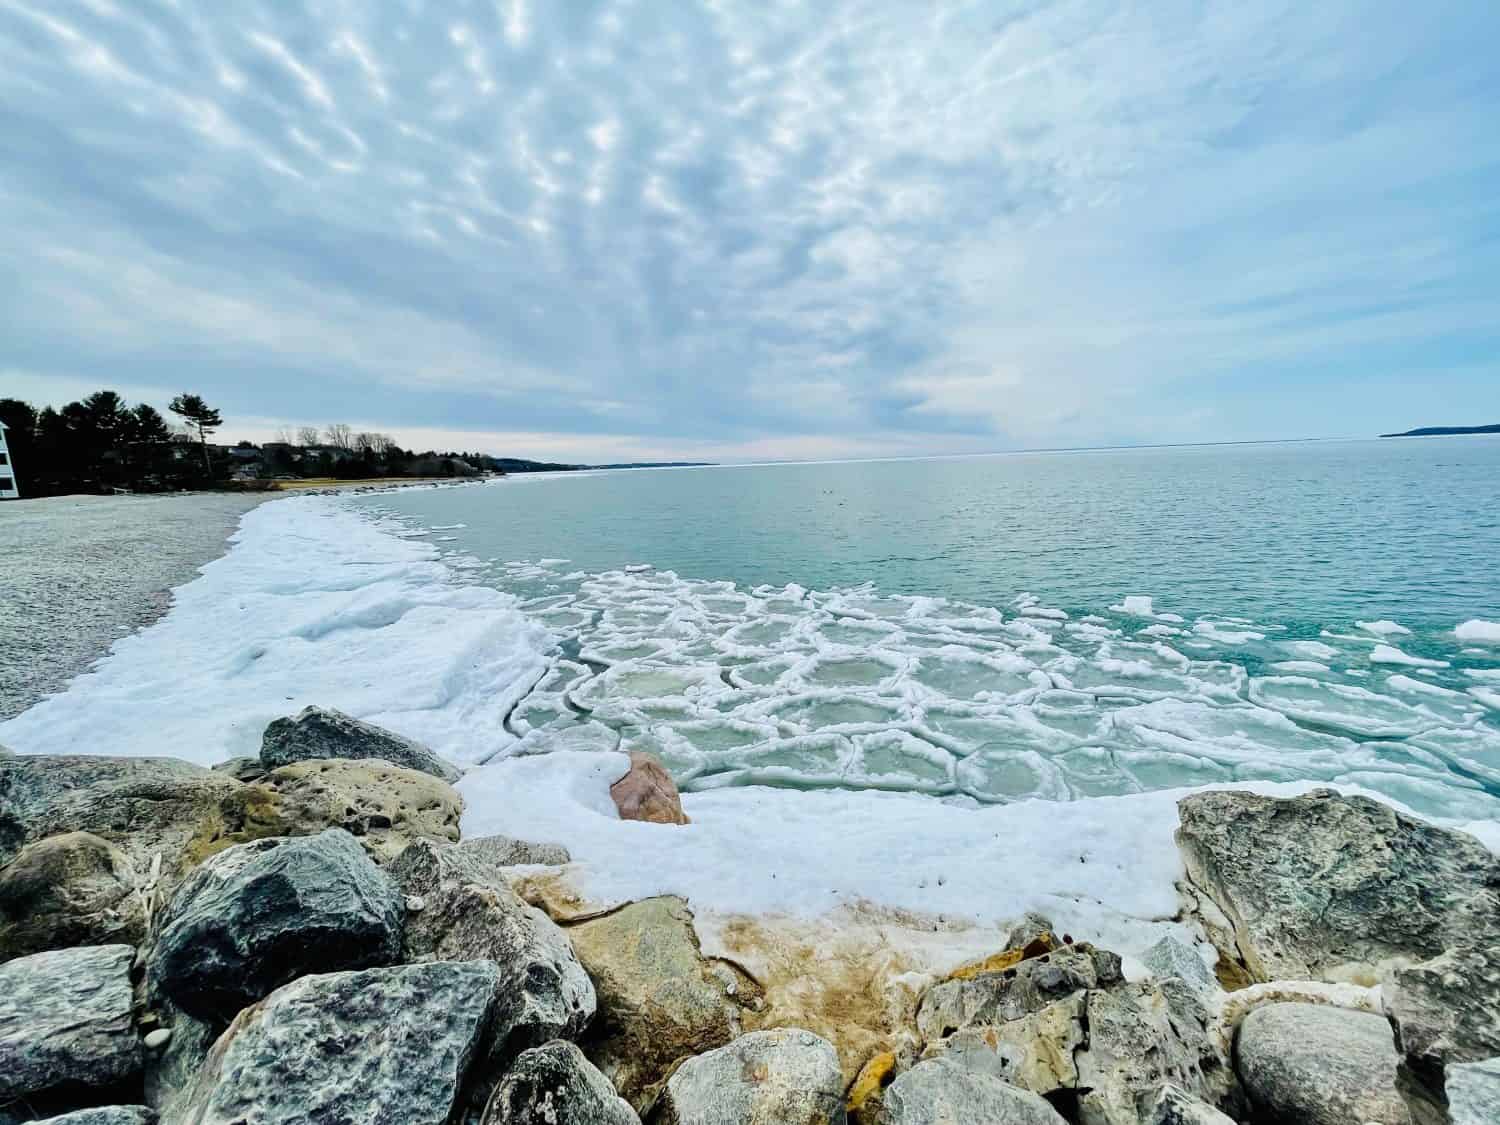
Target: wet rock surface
[258, 915]
[321, 732]
[555, 1085]
[106, 1115]
[66, 1021]
[390, 1044]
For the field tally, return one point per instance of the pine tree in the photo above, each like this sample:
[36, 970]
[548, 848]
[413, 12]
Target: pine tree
[201, 417]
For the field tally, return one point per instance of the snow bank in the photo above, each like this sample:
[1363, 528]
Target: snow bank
[312, 604]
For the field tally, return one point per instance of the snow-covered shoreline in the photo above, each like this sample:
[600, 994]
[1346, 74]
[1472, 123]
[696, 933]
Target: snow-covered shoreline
[319, 604]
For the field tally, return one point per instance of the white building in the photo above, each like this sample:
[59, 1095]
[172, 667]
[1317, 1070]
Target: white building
[8, 489]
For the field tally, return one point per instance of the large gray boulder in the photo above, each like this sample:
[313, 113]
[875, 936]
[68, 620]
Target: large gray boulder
[555, 1085]
[106, 1115]
[318, 732]
[72, 889]
[1319, 1065]
[257, 915]
[144, 806]
[371, 1046]
[1474, 1093]
[1445, 1012]
[66, 1021]
[782, 1075]
[1329, 887]
[943, 1092]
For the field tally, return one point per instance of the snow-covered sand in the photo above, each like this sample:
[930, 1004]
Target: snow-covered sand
[318, 603]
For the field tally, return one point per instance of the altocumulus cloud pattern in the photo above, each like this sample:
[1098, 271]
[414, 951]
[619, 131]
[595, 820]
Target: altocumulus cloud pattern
[622, 227]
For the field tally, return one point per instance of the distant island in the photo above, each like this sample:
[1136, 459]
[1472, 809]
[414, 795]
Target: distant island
[1441, 431]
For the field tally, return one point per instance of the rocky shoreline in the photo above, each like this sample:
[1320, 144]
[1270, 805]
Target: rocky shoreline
[305, 936]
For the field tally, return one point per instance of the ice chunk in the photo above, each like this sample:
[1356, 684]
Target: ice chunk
[1384, 628]
[849, 672]
[1477, 631]
[1385, 654]
[1344, 707]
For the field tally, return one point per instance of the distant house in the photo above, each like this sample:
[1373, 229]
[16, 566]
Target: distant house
[8, 489]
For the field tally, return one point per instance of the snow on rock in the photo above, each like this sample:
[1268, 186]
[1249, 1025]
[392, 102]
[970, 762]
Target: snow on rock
[314, 604]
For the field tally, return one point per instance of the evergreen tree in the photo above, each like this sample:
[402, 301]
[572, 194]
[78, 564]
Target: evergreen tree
[201, 417]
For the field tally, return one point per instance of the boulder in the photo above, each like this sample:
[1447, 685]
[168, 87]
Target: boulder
[171, 1067]
[1171, 958]
[1445, 1011]
[374, 1045]
[106, 1115]
[1172, 1105]
[147, 807]
[555, 1085]
[1474, 1093]
[257, 915]
[1329, 887]
[385, 806]
[647, 792]
[317, 732]
[660, 1000]
[242, 769]
[65, 1021]
[1319, 1065]
[943, 1092]
[785, 1075]
[468, 912]
[72, 889]
[507, 851]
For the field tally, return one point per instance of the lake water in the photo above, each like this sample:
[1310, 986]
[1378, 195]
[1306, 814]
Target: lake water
[987, 629]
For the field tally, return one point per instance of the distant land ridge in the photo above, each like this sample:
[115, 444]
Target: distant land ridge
[1438, 431]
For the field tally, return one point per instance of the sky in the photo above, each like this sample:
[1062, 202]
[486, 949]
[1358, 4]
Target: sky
[604, 230]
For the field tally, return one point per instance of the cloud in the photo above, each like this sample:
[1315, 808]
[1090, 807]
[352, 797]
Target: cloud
[759, 228]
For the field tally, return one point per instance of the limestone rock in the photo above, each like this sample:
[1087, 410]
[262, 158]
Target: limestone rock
[660, 1001]
[1444, 1011]
[1329, 887]
[942, 1092]
[257, 915]
[375, 1045]
[990, 999]
[66, 1022]
[106, 1115]
[1171, 958]
[72, 889]
[144, 806]
[385, 806]
[1474, 1093]
[1172, 1105]
[555, 1085]
[1319, 1065]
[318, 732]
[470, 913]
[785, 1075]
[242, 769]
[507, 851]
[647, 792]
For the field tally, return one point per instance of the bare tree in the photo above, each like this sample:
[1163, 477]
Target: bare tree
[381, 444]
[341, 436]
[284, 435]
[307, 436]
[364, 442]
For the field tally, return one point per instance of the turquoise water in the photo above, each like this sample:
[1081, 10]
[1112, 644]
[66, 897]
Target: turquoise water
[959, 626]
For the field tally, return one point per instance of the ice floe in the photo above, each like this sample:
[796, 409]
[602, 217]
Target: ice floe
[1477, 631]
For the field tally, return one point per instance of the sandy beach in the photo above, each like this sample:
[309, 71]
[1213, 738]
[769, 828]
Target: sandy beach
[86, 570]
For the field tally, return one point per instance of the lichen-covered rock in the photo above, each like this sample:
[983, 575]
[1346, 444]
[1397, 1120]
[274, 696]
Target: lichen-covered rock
[318, 732]
[65, 1021]
[507, 851]
[106, 1115]
[385, 806]
[1474, 1093]
[647, 792]
[370, 1046]
[1329, 887]
[660, 1001]
[1444, 1011]
[257, 915]
[555, 1085]
[943, 1092]
[468, 912]
[785, 1075]
[72, 889]
[1172, 1105]
[146, 807]
[1319, 1065]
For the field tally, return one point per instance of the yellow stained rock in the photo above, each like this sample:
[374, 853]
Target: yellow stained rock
[871, 1080]
[999, 962]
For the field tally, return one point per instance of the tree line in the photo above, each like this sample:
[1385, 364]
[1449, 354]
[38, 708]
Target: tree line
[102, 443]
